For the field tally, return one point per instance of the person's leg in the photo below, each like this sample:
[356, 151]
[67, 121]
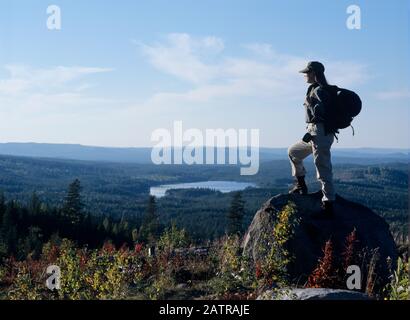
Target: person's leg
[297, 152]
[322, 159]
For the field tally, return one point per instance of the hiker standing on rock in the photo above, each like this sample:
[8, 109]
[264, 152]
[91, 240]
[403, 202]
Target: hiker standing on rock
[317, 141]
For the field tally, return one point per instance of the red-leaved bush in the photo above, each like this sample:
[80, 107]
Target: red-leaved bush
[325, 274]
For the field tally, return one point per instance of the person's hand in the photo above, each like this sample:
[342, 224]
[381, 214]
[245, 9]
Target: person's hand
[307, 137]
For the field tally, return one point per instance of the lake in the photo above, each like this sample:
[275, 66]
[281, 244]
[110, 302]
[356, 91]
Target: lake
[222, 186]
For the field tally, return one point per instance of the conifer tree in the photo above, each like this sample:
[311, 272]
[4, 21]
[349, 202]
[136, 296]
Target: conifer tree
[72, 209]
[150, 225]
[236, 214]
[2, 206]
[35, 204]
[9, 226]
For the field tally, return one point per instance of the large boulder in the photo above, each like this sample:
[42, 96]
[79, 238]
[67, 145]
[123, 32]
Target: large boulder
[311, 234]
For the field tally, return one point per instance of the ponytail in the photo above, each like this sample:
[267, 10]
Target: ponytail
[321, 79]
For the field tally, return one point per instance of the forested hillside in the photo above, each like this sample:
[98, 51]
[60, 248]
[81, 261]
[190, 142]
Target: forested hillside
[121, 191]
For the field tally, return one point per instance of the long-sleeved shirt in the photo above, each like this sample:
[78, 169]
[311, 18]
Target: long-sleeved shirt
[317, 99]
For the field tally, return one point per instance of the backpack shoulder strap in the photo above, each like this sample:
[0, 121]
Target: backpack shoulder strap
[335, 134]
[332, 89]
[310, 88]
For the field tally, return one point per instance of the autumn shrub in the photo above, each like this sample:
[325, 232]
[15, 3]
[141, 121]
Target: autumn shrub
[161, 284]
[325, 275]
[73, 286]
[104, 273]
[25, 285]
[399, 286]
[161, 280]
[85, 274]
[273, 269]
[139, 268]
[351, 255]
[201, 268]
[231, 272]
[331, 271]
[173, 238]
[26, 279]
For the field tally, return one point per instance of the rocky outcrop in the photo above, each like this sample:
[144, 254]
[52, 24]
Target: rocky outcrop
[313, 294]
[311, 234]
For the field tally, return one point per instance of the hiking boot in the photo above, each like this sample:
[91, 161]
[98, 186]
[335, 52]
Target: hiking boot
[300, 186]
[326, 211]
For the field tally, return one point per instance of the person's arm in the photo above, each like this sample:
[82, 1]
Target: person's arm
[321, 103]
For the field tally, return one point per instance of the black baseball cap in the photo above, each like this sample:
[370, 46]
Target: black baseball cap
[315, 66]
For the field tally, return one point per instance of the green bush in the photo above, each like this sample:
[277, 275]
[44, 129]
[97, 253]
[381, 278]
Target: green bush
[399, 287]
[232, 273]
[273, 268]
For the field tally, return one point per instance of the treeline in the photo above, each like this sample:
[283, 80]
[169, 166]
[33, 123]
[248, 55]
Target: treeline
[25, 228]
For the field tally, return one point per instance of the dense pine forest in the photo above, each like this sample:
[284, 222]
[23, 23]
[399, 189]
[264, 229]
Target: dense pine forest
[119, 192]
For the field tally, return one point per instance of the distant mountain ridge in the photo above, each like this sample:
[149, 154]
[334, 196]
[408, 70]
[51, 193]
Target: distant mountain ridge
[143, 154]
[76, 152]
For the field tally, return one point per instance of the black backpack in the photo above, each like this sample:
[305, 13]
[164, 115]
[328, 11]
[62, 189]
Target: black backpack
[345, 105]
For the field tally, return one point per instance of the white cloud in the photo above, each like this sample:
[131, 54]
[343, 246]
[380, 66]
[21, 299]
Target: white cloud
[32, 90]
[403, 93]
[180, 56]
[346, 73]
[260, 71]
[263, 50]
[12, 86]
[23, 78]
[214, 43]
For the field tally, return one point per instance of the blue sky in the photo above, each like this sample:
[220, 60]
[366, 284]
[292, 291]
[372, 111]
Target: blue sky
[118, 70]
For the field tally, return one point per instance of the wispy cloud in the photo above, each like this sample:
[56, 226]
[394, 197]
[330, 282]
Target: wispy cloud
[32, 90]
[184, 57]
[23, 78]
[259, 71]
[403, 93]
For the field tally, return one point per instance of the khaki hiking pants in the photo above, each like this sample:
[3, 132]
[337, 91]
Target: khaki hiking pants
[319, 146]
